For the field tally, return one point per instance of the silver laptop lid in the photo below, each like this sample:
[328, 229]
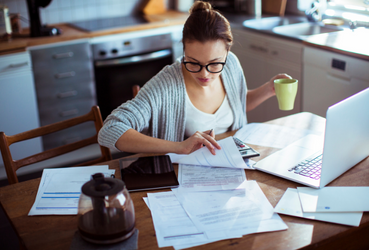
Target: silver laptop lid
[346, 141]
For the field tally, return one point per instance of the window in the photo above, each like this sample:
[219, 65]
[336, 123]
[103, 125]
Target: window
[353, 10]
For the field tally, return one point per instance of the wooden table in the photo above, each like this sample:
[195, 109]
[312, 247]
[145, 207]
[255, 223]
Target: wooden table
[56, 232]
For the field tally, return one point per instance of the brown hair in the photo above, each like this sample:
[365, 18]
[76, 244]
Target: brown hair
[206, 24]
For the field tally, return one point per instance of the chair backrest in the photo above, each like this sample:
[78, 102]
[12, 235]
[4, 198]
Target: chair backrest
[11, 166]
[135, 89]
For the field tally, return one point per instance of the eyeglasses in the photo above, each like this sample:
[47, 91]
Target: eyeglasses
[193, 67]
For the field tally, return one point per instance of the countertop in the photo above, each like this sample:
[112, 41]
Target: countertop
[352, 43]
[20, 42]
[347, 42]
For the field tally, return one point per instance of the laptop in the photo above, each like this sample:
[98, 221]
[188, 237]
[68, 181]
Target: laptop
[345, 143]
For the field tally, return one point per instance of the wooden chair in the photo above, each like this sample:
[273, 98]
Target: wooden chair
[135, 89]
[11, 166]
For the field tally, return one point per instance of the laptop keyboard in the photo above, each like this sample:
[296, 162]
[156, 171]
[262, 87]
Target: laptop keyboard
[310, 167]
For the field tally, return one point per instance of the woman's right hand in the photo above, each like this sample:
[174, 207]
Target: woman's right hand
[199, 140]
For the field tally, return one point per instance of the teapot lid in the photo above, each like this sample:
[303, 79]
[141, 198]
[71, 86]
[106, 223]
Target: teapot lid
[100, 186]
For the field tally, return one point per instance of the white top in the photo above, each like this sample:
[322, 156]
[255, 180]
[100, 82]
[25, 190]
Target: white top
[197, 120]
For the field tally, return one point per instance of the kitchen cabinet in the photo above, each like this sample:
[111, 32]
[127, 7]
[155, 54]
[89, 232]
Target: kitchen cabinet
[65, 88]
[18, 105]
[263, 56]
[330, 77]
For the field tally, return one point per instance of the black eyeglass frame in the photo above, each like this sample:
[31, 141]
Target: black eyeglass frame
[206, 66]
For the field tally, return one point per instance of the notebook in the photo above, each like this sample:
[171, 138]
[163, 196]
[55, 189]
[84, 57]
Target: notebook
[146, 173]
[345, 143]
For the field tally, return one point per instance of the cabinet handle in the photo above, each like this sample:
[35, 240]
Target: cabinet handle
[63, 55]
[67, 94]
[258, 48]
[69, 112]
[262, 49]
[18, 65]
[275, 53]
[254, 47]
[135, 59]
[65, 75]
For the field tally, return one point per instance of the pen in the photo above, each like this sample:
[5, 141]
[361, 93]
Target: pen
[211, 130]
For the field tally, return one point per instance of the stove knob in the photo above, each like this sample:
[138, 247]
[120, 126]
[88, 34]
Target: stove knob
[102, 52]
[114, 51]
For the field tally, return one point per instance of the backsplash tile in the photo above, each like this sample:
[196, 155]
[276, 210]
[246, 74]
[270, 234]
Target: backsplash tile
[59, 11]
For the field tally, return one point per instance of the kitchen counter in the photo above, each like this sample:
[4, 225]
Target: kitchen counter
[20, 42]
[344, 42]
[351, 43]
[347, 42]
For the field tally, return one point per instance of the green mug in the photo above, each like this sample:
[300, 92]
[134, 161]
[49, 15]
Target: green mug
[286, 90]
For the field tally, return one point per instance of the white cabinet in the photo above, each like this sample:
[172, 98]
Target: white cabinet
[18, 105]
[262, 57]
[331, 77]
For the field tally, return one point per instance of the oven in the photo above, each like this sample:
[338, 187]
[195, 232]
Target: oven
[119, 64]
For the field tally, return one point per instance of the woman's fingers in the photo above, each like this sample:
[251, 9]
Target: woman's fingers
[209, 141]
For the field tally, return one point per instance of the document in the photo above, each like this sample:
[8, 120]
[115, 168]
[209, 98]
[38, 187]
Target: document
[204, 178]
[334, 199]
[173, 227]
[290, 204]
[175, 157]
[228, 213]
[270, 135]
[228, 156]
[60, 189]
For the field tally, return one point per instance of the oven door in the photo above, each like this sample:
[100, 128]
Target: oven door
[116, 77]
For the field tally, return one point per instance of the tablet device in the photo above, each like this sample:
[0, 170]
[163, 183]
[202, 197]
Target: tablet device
[146, 173]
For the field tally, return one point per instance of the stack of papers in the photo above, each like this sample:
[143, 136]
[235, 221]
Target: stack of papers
[270, 135]
[342, 205]
[60, 189]
[229, 156]
[211, 204]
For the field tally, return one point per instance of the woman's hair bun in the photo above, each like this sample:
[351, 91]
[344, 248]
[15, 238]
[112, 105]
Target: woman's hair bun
[200, 6]
[206, 24]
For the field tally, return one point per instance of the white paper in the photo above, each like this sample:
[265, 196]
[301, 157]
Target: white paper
[229, 156]
[250, 163]
[334, 199]
[175, 157]
[290, 204]
[204, 178]
[60, 189]
[172, 225]
[270, 135]
[275, 223]
[225, 213]
[146, 200]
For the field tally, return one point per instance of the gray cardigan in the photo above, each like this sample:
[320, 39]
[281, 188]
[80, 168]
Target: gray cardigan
[159, 109]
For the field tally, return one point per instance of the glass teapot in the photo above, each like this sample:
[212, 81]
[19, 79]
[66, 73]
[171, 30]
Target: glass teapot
[105, 211]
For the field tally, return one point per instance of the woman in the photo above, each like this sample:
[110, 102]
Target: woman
[203, 91]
